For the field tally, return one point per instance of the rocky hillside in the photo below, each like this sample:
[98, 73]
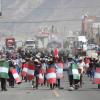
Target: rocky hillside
[26, 16]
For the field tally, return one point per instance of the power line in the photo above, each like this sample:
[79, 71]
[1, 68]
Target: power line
[42, 21]
[46, 8]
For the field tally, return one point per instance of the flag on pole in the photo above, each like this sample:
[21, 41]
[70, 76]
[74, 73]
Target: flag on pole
[97, 76]
[41, 78]
[59, 70]
[16, 76]
[51, 75]
[25, 70]
[4, 68]
[75, 72]
[30, 72]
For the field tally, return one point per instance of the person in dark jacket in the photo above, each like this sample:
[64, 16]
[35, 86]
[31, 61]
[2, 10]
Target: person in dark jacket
[11, 78]
[38, 66]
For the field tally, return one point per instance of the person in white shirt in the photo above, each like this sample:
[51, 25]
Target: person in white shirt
[81, 66]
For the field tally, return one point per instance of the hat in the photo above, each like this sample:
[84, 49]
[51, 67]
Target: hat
[70, 56]
[38, 56]
[36, 60]
[80, 58]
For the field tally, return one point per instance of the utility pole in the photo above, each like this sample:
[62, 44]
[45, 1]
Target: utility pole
[52, 29]
[0, 7]
[98, 35]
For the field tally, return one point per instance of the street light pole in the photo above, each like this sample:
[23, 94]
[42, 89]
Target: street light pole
[99, 34]
[0, 7]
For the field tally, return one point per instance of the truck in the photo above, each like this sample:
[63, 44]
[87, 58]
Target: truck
[80, 46]
[19, 43]
[10, 43]
[30, 44]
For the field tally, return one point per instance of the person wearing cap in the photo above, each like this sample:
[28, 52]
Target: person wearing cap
[69, 71]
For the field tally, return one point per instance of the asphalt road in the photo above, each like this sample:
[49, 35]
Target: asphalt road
[24, 91]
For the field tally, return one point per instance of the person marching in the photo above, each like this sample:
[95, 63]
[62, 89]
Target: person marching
[38, 66]
[4, 68]
[11, 78]
[44, 68]
[22, 66]
[30, 70]
[17, 64]
[97, 73]
[25, 69]
[51, 73]
[81, 67]
[59, 72]
[69, 71]
[73, 74]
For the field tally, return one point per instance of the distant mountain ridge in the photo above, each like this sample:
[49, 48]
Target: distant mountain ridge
[26, 16]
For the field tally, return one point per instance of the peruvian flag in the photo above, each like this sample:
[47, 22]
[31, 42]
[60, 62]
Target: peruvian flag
[51, 75]
[97, 76]
[41, 77]
[30, 72]
[25, 69]
[59, 70]
[16, 76]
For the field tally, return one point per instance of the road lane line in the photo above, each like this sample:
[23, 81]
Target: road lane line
[56, 93]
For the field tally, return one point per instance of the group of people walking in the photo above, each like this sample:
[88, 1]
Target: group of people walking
[46, 70]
